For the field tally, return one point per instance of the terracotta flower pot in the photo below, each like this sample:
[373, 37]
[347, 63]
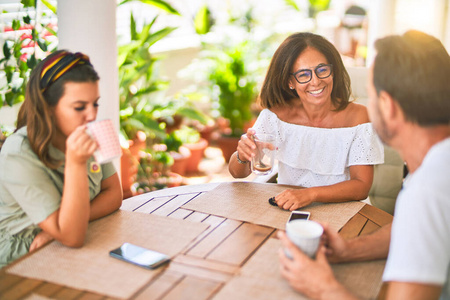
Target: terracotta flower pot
[207, 132]
[228, 145]
[172, 123]
[174, 180]
[129, 162]
[128, 171]
[137, 144]
[197, 152]
[180, 160]
[160, 182]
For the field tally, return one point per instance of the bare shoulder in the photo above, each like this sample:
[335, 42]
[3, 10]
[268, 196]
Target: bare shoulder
[280, 111]
[356, 114]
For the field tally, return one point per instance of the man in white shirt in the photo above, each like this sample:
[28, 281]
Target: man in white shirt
[409, 107]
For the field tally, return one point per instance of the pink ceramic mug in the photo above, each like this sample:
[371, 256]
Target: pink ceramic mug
[108, 141]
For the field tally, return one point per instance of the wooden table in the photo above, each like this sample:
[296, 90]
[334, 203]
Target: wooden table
[205, 265]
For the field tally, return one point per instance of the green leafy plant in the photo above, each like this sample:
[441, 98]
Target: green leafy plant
[315, 6]
[143, 106]
[4, 133]
[141, 109]
[153, 169]
[203, 20]
[229, 69]
[173, 142]
[138, 80]
[163, 5]
[188, 135]
[26, 43]
[173, 110]
[233, 79]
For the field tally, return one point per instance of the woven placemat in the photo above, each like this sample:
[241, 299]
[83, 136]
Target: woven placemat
[245, 201]
[260, 278]
[91, 268]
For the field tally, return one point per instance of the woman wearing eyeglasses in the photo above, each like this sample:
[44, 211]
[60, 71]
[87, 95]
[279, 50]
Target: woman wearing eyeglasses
[325, 142]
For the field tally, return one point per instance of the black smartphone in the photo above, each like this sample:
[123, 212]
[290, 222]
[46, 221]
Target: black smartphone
[139, 256]
[299, 215]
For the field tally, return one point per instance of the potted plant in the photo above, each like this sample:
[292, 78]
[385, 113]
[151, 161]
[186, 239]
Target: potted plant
[195, 143]
[179, 153]
[228, 71]
[145, 115]
[137, 81]
[154, 171]
[174, 111]
[233, 80]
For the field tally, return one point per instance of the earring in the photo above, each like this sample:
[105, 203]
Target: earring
[291, 87]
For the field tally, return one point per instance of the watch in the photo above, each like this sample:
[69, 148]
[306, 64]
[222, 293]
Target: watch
[239, 160]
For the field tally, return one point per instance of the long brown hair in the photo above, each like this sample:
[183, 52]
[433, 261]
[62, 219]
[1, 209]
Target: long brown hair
[35, 112]
[275, 90]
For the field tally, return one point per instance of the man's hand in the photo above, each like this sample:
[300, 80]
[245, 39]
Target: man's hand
[313, 278]
[336, 246]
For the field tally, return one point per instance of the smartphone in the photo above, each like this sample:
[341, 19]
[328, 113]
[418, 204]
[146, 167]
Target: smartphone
[299, 215]
[139, 256]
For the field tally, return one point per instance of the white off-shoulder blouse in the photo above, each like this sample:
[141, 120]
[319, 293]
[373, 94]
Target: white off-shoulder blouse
[313, 156]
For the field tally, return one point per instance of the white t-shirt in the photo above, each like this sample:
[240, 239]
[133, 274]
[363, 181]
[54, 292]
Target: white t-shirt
[420, 240]
[312, 156]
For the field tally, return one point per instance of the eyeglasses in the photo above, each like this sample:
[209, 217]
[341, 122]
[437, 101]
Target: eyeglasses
[305, 75]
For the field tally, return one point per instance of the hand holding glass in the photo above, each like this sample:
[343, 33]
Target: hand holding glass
[262, 161]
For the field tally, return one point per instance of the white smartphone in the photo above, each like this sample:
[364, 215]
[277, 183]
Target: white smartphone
[139, 256]
[299, 215]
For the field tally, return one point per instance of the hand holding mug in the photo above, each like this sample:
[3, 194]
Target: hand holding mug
[80, 146]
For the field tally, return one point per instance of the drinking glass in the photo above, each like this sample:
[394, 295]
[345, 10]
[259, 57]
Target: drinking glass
[262, 162]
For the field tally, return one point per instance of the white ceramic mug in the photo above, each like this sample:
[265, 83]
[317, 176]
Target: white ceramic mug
[305, 234]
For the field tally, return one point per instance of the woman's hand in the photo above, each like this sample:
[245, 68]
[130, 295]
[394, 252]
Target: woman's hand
[246, 146]
[40, 240]
[292, 199]
[80, 146]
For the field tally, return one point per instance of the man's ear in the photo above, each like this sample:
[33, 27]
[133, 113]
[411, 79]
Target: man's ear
[388, 106]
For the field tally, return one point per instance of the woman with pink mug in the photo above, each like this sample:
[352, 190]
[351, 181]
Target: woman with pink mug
[50, 184]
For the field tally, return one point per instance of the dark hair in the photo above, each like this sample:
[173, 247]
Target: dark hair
[35, 110]
[275, 90]
[415, 69]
